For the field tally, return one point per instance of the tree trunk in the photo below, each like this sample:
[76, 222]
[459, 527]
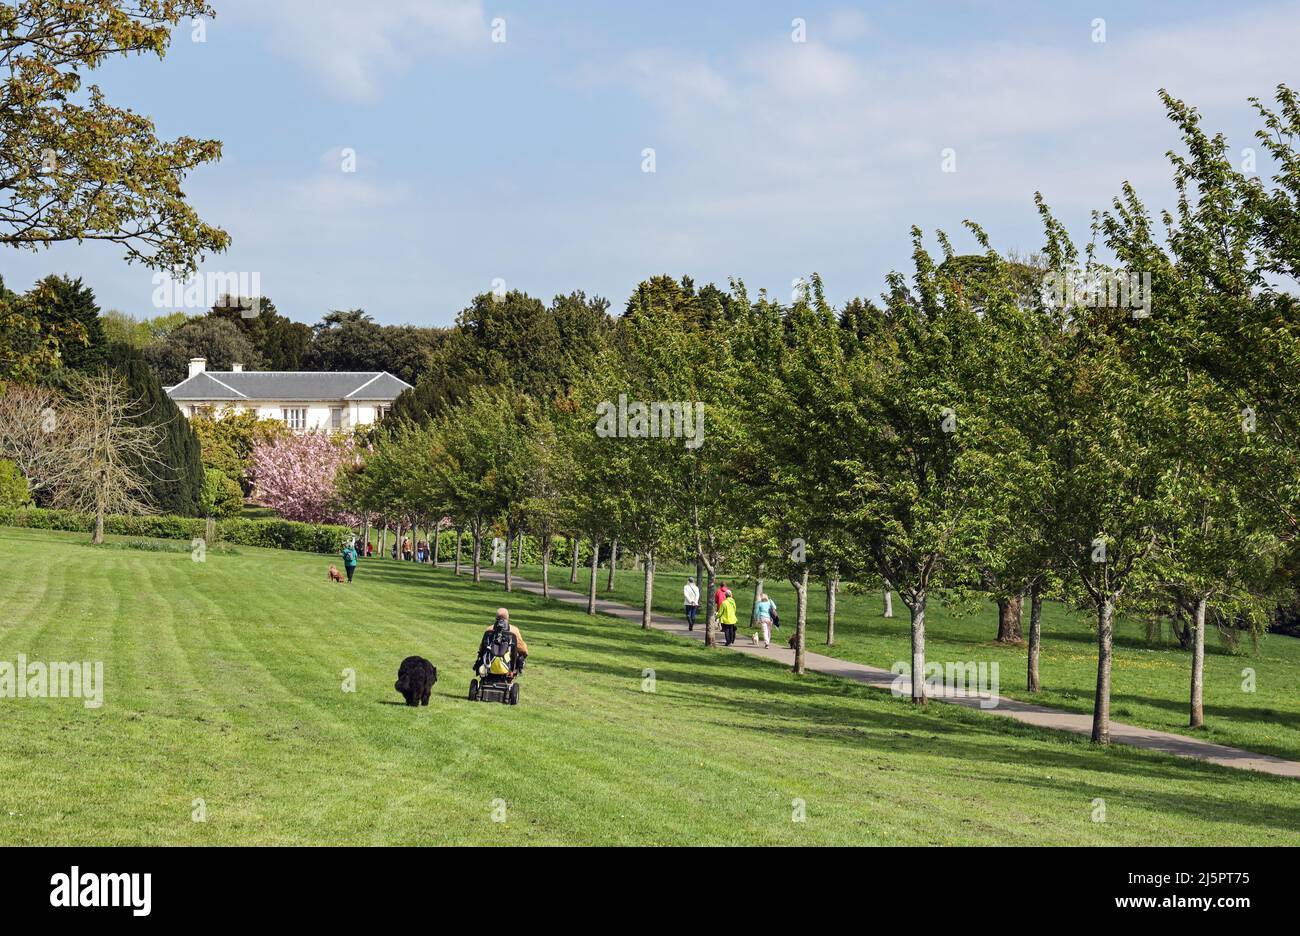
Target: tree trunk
[573, 573]
[758, 590]
[460, 535]
[647, 599]
[613, 564]
[832, 589]
[800, 620]
[889, 601]
[1101, 703]
[1009, 619]
[510, 542]
[591, 586]
[1198, 665]
[478, 553]
[365, 536]
[699, 570]
[546, 566]
[1183, 630]
[1035, 634]
[97, 537]
[437, 541]
[710, 634]
[918, 648]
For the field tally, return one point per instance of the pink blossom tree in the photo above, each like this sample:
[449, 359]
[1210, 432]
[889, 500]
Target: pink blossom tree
[297, 476]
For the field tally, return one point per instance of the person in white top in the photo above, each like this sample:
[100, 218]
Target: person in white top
[692, 595]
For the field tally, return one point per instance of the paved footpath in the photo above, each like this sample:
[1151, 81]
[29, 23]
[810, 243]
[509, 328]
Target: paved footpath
[1027, 712]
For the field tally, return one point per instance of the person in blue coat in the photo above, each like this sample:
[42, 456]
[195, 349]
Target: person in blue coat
[349, 560]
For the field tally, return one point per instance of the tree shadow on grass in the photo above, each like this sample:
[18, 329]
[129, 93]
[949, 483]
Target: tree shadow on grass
[1104, 768]
[827, 708]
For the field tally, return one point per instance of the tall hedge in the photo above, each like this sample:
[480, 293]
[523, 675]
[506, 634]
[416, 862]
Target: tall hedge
[273, 534]
[176, 482]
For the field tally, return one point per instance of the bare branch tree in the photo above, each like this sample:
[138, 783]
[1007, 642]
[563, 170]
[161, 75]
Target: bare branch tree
[109, 451]
[35, 436]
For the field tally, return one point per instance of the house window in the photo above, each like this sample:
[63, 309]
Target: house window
[295, 418]
[336, 417]
[381, 412]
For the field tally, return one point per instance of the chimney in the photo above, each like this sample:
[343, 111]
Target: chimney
[237, 368]
[197, 365]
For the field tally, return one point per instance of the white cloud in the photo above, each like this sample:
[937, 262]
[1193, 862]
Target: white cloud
[352, 47]
[825, 139]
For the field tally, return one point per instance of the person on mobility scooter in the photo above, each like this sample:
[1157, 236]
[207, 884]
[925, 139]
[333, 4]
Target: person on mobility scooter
[501, 656]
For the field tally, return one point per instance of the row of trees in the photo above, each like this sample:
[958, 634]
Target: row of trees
[1121, 435]
[263, 339]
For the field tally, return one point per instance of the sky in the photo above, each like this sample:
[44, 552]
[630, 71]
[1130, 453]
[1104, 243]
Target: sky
[787, 138]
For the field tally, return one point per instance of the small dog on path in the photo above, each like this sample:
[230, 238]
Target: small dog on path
[335, 574]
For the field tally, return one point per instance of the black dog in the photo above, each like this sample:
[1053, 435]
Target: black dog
[415, 679]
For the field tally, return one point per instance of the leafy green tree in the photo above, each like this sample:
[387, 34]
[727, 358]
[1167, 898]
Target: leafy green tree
[67, 306]
[120, 328]
[1216, 542]
[1108, 453]
[479, 467]
[802, 366]
[548, 475]
[72, 166]
[511, 340]
[351, 340]
[929, 462]
[281, 343]
[658, 376]
[220, 497]
[32, 347]
[221, 342]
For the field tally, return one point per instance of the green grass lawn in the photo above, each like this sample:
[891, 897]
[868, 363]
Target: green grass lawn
[224, 683]
[1151, 683]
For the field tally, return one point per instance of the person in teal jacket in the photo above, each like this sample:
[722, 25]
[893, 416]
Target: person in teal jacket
[349, 560]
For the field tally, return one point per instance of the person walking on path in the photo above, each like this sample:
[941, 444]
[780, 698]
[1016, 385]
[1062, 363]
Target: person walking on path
[692, 595]
[719, 596]
[763, 611]
[406, 549]
[727, 618]
[349, 560]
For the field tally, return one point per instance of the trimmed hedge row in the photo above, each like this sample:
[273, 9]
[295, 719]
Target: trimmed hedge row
[275, 534]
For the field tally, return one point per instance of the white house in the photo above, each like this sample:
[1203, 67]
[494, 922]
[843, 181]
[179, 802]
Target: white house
[305, 400]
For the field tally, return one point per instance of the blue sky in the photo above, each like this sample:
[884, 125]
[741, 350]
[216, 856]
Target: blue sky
[522, 160]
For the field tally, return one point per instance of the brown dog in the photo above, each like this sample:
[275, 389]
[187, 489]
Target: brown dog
[335, 574]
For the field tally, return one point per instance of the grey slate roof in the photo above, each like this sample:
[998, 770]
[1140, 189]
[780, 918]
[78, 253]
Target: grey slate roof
[277, 386]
